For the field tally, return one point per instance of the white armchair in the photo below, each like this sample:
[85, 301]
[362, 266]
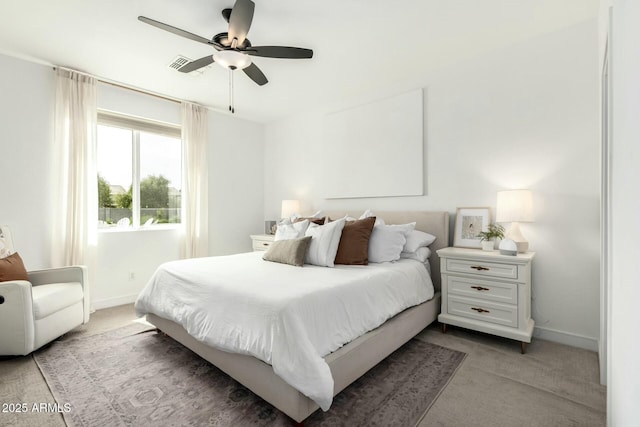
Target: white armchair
[35, 312]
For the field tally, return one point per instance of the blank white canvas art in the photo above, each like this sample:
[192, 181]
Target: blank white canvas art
[375, 150]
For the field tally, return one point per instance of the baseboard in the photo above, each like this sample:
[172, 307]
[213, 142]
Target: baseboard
[567, 338]
[113, 302]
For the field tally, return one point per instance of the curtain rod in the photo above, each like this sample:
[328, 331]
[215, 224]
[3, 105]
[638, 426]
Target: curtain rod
[123, 86]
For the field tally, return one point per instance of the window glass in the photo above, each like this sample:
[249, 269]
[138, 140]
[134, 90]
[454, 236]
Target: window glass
[114, 175]
[160, 178]
[139, 172]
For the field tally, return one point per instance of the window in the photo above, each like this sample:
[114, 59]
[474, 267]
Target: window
[139, 172]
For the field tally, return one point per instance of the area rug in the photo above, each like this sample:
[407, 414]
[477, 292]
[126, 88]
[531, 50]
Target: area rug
[136, 377]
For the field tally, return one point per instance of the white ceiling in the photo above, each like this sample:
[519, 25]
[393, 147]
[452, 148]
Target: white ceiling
[359, 46]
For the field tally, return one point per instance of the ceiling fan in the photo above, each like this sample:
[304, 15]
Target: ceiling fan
[233, 48]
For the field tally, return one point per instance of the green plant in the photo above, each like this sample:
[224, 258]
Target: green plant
[494, 231]
[104, 193]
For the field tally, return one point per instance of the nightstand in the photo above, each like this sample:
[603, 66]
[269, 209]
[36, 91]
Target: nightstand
[261, 242]
[487, 292]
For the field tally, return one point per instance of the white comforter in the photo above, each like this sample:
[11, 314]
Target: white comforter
[289, 317]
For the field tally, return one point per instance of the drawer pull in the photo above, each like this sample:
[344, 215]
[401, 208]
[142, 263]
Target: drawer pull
[265, 244]
[480, 288]
[480, 268]
[480, 310]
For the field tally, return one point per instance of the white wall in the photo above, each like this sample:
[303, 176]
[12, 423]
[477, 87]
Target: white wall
[236, 188]
[624, 345]
[125, 253]
[26, 139]
[521, 117]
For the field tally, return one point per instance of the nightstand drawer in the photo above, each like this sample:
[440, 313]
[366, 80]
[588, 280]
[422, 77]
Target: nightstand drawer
[506, 293]
[261, 242]
[261, 245]
[482, 268]
[501, 314]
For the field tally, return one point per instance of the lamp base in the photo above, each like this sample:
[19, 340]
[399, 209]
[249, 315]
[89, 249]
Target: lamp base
[523, 247]
[516, 235]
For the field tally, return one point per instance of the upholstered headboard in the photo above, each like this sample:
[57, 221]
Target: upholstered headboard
[432, 222]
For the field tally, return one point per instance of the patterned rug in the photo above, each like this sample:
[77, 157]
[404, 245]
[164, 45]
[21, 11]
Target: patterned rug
[133, 377]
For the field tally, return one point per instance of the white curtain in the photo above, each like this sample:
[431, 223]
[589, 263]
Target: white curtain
[76, 196]
[195, 188]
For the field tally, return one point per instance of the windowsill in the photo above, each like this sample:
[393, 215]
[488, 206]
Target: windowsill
[161, 227]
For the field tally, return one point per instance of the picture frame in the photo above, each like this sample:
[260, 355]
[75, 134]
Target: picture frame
[469, 223]
[270, 227]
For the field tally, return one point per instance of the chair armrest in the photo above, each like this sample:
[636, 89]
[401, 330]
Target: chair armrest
[75, 273]
[16, 318]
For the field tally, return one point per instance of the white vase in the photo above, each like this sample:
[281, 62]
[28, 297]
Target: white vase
[487, 245]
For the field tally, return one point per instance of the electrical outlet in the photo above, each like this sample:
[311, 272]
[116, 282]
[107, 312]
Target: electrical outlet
[132, 275]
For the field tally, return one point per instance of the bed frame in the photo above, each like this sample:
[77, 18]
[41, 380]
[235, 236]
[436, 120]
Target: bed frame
[351, 361]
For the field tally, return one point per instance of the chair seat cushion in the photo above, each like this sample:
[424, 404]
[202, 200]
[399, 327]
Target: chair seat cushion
[48, 299]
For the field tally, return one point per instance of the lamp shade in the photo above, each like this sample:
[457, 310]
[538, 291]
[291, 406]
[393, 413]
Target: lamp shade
[514, 206]
[289, 207]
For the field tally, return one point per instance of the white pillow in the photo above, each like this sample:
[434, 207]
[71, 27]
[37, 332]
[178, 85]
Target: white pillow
[417, 239]
[369, 214]
[324, 243]
[422, 254]
[386, 241]
[295, 216]
[287, 230]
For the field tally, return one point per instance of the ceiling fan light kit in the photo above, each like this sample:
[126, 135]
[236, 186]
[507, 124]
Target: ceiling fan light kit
[233, 48]
[232, 60]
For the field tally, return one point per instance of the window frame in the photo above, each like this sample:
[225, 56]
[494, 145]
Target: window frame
[136, 125]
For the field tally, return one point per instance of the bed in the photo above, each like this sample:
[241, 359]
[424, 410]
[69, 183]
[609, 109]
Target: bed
[343, 363]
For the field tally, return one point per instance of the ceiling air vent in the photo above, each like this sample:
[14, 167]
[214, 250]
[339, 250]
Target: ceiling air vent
[178, 62]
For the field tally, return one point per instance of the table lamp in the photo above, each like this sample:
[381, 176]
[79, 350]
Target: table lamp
[289, 208]
[515, 206]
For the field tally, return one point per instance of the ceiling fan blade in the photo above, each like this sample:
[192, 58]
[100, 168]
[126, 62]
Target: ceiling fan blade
[240, 20]
[255, 74]
[279, 52]
[197, 64]
[174, 30]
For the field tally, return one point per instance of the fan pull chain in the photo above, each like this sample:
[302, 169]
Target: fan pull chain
[230, 90]
[232, 106]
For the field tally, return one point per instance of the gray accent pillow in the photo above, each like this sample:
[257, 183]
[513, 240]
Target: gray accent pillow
[291, 251]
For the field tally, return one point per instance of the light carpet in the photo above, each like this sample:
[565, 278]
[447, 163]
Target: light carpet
[133, 376]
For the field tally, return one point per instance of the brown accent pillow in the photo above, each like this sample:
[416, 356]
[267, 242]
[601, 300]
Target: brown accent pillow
[12, 268]
[354, 242]
[319, 221]
[291, 251]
